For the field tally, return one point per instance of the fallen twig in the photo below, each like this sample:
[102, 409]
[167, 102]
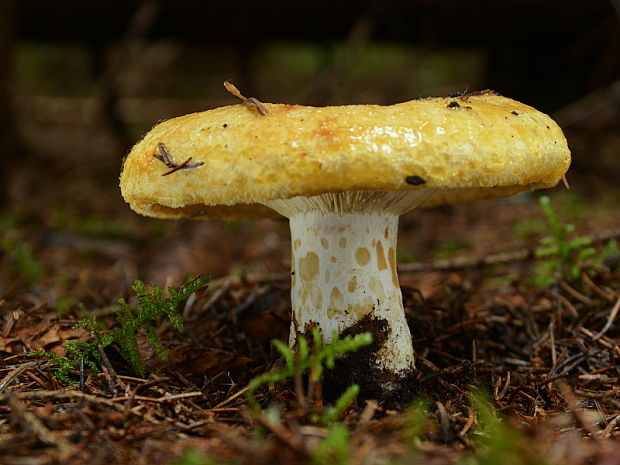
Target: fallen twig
[231, 398]
[565, 182]
[159, 400]
[604, 341]
[109, 372]
[575, 293]
[249, 101]
[573, 405]
[283, 434]
[16, 372]
[471, 419]
[607, 432]
[444, 420]
[166, 158]
[610, 321]
[566, 304]
[216, 295]
[493, 259]
[70, 394]
[30, 423]
[596, 289]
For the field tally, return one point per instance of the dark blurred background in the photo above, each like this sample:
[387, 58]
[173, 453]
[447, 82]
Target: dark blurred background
[80, 81]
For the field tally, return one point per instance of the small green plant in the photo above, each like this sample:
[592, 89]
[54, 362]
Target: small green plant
[193, 457]
[133, 320]
[447, 249]
[562, 256]
[142, 317]
[404, 256]
[22, 261]
[528, 228]
[312, 361]
[90, 224]
[494, 441]
[77, 353]
[335, 448]
[417, 422]
[610, 255]
[65, 303]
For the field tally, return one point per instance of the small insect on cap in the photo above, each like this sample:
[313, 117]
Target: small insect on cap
[226, 163]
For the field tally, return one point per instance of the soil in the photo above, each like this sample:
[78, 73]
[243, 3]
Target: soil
[361, 368]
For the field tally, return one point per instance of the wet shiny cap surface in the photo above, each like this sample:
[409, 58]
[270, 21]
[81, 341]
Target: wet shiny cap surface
[473, 147]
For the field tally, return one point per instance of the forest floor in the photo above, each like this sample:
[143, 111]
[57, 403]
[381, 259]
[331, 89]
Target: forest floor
[508, 370]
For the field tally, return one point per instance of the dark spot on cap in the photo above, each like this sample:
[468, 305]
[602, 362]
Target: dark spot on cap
[467, 107]
[225, 125]
[415, 180]
[514, 113]
[454, 104]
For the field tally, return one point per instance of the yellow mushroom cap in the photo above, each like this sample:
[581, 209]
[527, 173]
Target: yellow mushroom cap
[471, 147]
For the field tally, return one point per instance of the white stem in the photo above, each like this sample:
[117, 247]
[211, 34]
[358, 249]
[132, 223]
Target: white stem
[343, 270]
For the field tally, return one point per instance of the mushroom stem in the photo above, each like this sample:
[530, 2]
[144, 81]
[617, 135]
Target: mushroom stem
[344, 271]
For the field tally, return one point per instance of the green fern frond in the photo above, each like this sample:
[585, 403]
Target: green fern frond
[561, 256]
[335, 448]
[132, 320]
[313, 360]
[334, 412]
[142, 317]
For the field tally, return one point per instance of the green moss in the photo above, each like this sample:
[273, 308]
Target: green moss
[449, 248]
[44, 68]
[335, 448]
[22, 262]
[526, 229]
[65, 304]
[89, 225]
[193, 457]
[404, 256]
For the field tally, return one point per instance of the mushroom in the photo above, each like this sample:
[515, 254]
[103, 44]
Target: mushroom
[343, 175]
